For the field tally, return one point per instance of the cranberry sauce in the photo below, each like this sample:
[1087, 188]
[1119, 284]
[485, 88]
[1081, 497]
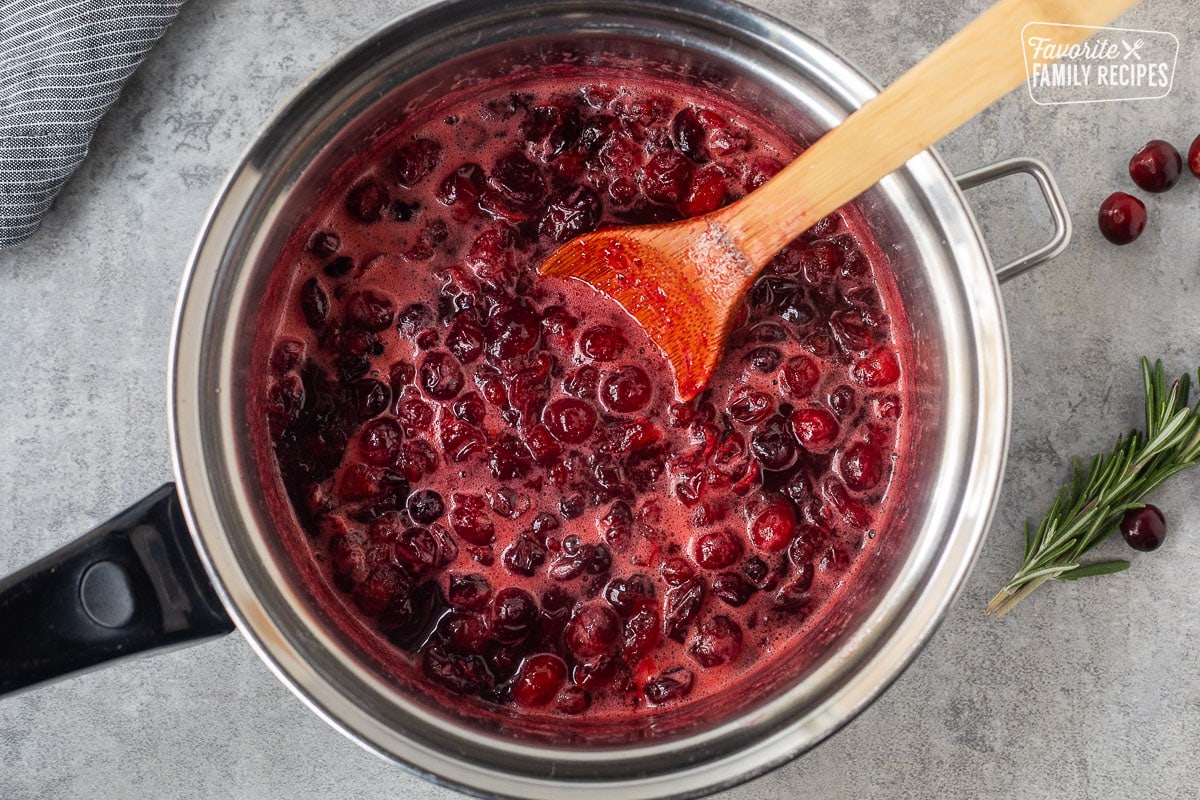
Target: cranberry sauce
[493, 469]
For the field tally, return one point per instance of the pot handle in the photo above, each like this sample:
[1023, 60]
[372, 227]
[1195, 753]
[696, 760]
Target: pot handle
[1059, 215]
[133, 584]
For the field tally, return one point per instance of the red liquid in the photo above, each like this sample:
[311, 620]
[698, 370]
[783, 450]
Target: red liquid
[599, 547]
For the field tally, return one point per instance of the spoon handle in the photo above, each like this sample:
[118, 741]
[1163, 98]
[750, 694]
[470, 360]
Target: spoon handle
[969, 72]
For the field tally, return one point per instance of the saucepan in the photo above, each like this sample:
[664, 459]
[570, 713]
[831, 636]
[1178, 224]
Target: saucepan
[200, 557]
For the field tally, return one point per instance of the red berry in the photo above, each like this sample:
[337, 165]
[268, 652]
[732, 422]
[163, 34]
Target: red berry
[592, 631]
[1122, 218]
[538, 679]
[626, 389]
[380, 442]
[816, 428]
[718, 641]
[707, 192]
[602, 343]
[370, 310]
[469, 518]
[513, 614]
[1156, 167]
[772, 529]
[667, 177]
[717, 550]
[415, 160]
[879, 369]
[1144, 528]
[861, 466]
[571, 421]
[367, 200]
[799, 376]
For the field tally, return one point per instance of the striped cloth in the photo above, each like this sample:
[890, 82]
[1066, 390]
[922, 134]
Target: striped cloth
[62, 64]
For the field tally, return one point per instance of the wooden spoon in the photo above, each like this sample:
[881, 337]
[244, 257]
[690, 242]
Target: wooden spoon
[683, 281]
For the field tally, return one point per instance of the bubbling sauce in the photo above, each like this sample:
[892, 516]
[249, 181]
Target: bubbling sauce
[492, 469]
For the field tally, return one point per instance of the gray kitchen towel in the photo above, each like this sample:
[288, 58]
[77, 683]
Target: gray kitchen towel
[62, 64]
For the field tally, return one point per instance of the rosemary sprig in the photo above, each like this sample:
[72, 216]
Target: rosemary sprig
[1092, 504]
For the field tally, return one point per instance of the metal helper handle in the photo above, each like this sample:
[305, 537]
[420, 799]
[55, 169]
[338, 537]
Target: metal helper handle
[1054, 201]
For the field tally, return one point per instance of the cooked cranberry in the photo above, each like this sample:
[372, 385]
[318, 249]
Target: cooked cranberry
[367, 200]
[1194, 157]
[688, 134]
[414, 414]
[676, 571]
[594, 673]
[761, 171]
[672, 684]
[773, 445]
[539, 679]
[1156, 167]
[1122, 218]
[380, 442]
[707, 192]
[640, 636]
[314, 303]
[513, 614]
[717, 550]
[426, 506]
[571, 421]
[374, 594]
[463, 634]
[509, 458]
[592, 631]
[542, 445]
[524, 555]
[792, 594]
[285, 403]
[626, 389]
[323, 244]
[463, 185]
[750, 407]
[416, 550]
[571, 212]
[469, 592]
[772, 528]
[470, 409]
[764, 359]
[879, 369]
[732, 589]
[518, 180]
[602, 343]
[1144, 528]
[718, 640]
[370, 310]
[816, 428]
[286, 355]
[821, 260]
[667, 177]
[629, 595]
[415, 318]
[572, 700]
[415, 160]
[681, 605]
[416, 460]
[861, 466]
[512, 333]
[469, 519]
[441, 376]
[465, 675]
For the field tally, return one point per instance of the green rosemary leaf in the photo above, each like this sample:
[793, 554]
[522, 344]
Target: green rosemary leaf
[1090, 505]
[1097, 568]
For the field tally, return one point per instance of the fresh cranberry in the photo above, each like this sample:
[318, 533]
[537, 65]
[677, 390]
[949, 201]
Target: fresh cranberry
[1156, 167]
[571, 212]
[717, 550]
[571, 421]
[367, 201]
[469, 518]
[513, 614]
[592, 631]
[718, 641]
[462, 186]
[602, 343]
[314, 303]
[672, 684]
[1144, 528]
[539, 679]
[414, 160]
[1122, 218]
[861, 466]
[626, 389]
[441, 376]
[1194, 157]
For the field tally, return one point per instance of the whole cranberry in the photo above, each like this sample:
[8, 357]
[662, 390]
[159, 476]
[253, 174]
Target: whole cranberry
[1194, 157]
[1144, 528]
[1156, 167]
[1122, 218]
[539, 679]
[592, 631]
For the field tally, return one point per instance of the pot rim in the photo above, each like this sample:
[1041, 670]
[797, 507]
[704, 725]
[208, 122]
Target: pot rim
[895, 639]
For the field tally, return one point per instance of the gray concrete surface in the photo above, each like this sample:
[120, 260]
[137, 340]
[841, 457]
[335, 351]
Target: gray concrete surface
[1090, 690]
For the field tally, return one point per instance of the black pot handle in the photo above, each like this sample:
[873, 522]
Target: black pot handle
[133, 584]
